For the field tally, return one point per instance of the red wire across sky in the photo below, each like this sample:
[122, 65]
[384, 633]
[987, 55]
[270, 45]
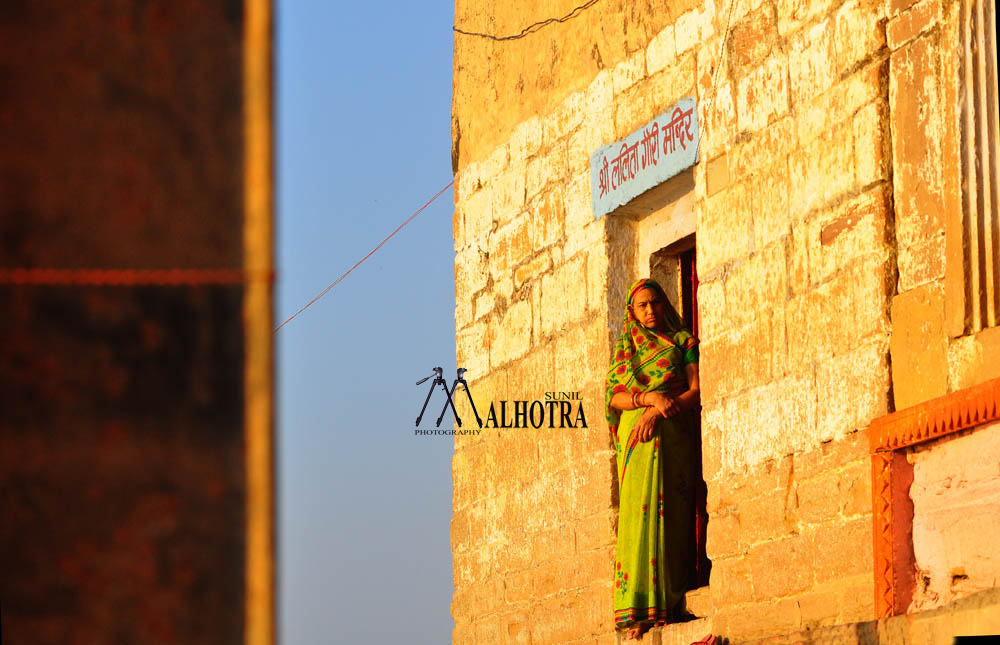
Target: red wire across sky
[370, 253]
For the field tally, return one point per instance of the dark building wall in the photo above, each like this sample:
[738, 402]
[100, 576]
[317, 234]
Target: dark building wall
[123, 432]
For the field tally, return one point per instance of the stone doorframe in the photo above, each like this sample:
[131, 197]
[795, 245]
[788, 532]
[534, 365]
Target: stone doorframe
[892, 474]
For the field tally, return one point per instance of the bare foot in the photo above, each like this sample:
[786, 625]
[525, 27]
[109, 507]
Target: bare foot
[635, 633]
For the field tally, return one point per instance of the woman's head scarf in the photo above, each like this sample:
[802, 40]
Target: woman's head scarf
[639, 362]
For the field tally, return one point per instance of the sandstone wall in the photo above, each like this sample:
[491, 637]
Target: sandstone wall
[816, 204]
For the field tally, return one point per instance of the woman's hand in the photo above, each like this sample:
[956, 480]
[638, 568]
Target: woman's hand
[645, 427]
[667, 406]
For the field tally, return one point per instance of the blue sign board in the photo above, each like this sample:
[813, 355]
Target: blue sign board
[623, 170]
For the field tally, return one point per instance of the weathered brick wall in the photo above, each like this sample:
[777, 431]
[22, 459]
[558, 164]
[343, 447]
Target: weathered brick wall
[810, 215]
[130, 510]
[956, 500]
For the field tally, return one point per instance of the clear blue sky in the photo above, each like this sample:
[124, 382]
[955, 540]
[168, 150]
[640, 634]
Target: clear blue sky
[363, 96]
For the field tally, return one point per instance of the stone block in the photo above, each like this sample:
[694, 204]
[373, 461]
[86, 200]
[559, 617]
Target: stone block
[545, 169]
[525, 140]
[596, 531]
[812, 62]
[464, 313]
[580, 360]
[971, 359]
[512, 338]
[693, 27]
[857, 599]
[853, 230]
[852, 389]
[530, 270]
[856, 487]
[871, 137]
[552, 546]
[756, 621]
[563, 298]
[477, 216]
[471, 273]
[712, 309]
[581, 570]
[859, 32]
[819, 608]
[843, 549]
[628, 72]
[660, 52]
[584, 142]
[825, 113]
[532, 375]
[464, 632]
[483, 305]
[487, 630]
[757, 286]
[859, 292]
[763, 94]
[919, 346]
[515, 628]
[473, 347]
[826, 168]
[818, 498]
[728, 366]
[752, 40]
[717, 118]
[507, 194]
[913, 22]
[467, 467]
[467, 182]
[782, 419]
[458, 229]
[725, 221]
[832, 455]
[580, 222]
[782, 567]
[597, 281]
[722, 539]
[717, 175]
[557, 620]
[780, 367]
[794, 14]
[767, 517]
[798, 259]
[760, 149]
[651, 96]
[547, 214]
[914, 98]
[565, 119]
[508, 246]
[493, 165]
[771, 209]
[597, 99]
[732, 582]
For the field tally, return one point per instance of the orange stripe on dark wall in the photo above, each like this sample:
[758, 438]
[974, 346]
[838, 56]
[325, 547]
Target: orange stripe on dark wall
[131, 277]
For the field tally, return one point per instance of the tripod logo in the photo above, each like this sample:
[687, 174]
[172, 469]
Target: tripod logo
[439, 380]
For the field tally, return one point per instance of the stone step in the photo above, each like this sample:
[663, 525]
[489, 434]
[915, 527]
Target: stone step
[672, 634]
[698, 602]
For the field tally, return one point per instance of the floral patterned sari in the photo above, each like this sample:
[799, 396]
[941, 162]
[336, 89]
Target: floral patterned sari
[655, 478]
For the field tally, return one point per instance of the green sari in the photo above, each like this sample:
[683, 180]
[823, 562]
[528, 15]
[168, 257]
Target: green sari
[656, 546]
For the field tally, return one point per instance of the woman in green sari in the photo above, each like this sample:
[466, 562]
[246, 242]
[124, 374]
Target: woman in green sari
[651, 388]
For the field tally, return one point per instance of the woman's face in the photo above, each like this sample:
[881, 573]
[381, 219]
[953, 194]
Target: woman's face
[649, 308]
